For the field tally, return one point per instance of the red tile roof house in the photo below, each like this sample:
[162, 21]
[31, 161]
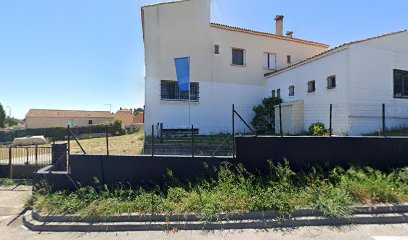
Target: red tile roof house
[125, 116]
[47, 118]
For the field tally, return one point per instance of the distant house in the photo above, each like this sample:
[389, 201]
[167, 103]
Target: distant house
[128, 119]
[47, 118]
[138, 119]
[125, 116]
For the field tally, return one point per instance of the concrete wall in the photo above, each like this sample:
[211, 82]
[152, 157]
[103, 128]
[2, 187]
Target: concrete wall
[221, 84]
[46, 122]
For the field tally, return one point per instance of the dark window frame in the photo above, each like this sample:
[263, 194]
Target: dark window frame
[331, 82]
[313, 88]
[291, 90]
[217, 49]
[169, 91]
[278, 93]
[401, 83]
[288, 59]
[90, 122]
[273, 93]
[235, 61]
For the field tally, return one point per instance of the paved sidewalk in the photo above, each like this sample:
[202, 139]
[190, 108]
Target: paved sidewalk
[12, 201]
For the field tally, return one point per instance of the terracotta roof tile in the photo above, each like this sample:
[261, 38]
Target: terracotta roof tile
[266, 34]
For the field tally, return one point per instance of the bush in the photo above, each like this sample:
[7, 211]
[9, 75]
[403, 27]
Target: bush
[318, 129]
[264, 119]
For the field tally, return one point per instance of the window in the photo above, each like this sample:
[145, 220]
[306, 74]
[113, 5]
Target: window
[273, 93]
[292, 90]
[331, 82]
[170, 91]
[238, 57]
[216, 49]
[89, 121]
[400, 83]
[278, 93]
[270, 61]
[289, 59]
[311, 86]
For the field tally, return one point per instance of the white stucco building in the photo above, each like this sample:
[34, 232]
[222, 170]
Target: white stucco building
[227, 65]
[357, 78]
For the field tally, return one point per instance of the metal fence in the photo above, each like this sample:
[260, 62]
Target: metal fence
[33, 155]
[285, 119]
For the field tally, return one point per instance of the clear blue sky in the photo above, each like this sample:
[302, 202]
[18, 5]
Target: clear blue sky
[82, 54]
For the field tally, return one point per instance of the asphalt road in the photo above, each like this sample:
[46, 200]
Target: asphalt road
[12, 201]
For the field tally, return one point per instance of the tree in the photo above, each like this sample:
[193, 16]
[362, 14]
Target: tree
[137, 110]
[2, 116]
[264, 119]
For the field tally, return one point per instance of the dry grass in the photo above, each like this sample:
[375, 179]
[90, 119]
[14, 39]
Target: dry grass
[131, 144]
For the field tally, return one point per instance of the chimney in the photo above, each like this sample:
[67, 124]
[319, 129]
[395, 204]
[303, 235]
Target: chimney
[289, 34]
[279, 25]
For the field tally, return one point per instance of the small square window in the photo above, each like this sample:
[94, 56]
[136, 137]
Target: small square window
[331, 82]
[216, 49]
[289, 59]
[292, 90]
[400, 83]
[311, 86]
[238, 57]
[90, 122]
[278, 93]
[273, 93]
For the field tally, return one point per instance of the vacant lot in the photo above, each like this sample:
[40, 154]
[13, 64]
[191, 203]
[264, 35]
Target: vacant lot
[131, 144]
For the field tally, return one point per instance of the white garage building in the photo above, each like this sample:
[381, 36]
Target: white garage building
[357, 78]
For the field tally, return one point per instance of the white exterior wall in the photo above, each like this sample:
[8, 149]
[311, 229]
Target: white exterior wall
[364, 76]
[372, 83]
[317, 104]
[221, 84]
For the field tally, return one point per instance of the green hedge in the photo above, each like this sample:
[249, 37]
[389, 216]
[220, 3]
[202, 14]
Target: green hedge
[60, 133]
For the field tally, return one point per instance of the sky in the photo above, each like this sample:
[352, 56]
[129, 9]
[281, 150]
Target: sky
[86, 54]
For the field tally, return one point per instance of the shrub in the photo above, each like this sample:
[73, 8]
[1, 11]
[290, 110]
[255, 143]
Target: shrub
[264, 119]
[318, 129]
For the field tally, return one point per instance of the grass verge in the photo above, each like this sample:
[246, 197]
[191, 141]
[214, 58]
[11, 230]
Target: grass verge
[235, 190]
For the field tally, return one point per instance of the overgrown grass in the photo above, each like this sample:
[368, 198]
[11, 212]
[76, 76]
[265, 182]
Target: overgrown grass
[233, 190]
[12, 182]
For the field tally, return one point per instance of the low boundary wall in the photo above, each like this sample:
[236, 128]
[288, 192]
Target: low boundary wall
[324, 152]
[303, 153]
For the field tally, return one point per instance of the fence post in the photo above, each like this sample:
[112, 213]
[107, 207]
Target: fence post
[36, 158]
[69, 140]
[383, 120]
[280, 120]
[10, 163]
[152, 140]
[27, 153]
[107, 141]
[330, 121]
[233, 130]
[192, 140]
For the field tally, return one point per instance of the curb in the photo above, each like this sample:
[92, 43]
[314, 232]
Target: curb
[383, 214]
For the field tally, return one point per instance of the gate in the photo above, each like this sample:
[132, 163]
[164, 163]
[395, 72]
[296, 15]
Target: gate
[21, 162]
